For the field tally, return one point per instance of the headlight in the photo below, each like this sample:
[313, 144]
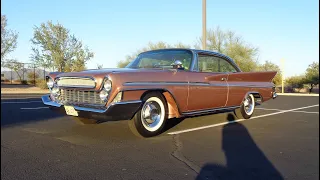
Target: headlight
[103, 95]
[50, 83]
[55, 91]
[107, 85]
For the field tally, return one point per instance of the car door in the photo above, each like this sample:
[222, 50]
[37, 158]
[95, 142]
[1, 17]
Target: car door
[208, 87]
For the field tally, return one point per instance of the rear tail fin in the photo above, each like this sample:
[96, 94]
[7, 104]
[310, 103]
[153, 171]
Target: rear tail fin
[264, 76]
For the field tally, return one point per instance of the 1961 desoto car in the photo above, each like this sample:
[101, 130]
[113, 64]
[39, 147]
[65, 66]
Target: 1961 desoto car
[157, 86]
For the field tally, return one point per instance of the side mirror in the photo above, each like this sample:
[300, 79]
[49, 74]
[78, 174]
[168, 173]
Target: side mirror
[177, 64]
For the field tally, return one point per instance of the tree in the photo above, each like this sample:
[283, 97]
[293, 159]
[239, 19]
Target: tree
[269, 66]
[99, 66]
[150, 46]
[54, 47]
[16, 66]
[181, 45]
[232, 45]
[8, 39]
[296, 82]
[312, 75]
[32, 77]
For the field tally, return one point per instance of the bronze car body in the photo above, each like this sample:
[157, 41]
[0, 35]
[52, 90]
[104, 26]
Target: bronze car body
[187, 92]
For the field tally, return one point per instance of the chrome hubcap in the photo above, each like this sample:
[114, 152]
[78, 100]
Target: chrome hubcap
[151, 114]
[248, 105]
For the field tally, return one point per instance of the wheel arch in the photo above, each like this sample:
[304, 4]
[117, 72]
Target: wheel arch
[173, 107]
[255, 94]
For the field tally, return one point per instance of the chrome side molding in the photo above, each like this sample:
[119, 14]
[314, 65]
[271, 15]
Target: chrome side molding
[210, 110]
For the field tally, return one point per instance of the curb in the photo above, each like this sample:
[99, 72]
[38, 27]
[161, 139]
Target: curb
[296, 94]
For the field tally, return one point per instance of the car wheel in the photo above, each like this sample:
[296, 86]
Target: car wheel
[247, 107]
[150, 119]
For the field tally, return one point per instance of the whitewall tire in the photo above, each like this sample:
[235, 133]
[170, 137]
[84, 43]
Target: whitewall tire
[150, 119]
[248, 106]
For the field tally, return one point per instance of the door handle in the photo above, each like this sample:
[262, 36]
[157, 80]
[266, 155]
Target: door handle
[223, 79]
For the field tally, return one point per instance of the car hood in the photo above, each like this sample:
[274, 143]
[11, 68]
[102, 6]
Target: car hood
[103, 72]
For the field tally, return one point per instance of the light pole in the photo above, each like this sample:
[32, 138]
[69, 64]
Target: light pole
[204, 21]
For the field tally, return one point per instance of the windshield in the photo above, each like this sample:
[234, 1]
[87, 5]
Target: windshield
[162, 59]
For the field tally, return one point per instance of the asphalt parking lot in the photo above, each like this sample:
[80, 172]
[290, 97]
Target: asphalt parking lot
[281, 141]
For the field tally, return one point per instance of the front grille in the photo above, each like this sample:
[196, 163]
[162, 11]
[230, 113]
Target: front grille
[76, 82]
[76, 97]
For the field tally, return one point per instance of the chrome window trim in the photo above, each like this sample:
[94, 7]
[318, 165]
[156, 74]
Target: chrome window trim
[217, 54]
[225, 58]
[194, 62]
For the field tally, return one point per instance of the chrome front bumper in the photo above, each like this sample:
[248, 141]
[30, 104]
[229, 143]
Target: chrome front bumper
[274, 95]
[126, 109]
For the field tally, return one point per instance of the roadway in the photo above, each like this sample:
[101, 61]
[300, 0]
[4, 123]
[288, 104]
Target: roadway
[281, 141]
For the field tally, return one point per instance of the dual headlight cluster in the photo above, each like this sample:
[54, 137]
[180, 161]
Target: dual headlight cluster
[104, 93]
[54, 89]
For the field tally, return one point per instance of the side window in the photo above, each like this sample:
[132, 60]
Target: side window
[225, 66]
[207, 64]
[214, 64]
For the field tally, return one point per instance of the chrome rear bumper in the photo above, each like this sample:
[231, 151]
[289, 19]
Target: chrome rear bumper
[274, 95]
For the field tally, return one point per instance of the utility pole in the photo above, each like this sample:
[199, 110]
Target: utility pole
[34, 74]
[282, 75]
[204, 25]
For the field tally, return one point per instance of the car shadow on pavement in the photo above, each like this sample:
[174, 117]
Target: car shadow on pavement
[244, 159]
[12, 114]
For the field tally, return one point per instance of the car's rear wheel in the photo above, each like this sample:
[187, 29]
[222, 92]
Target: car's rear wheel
[248, 106]
[150, 119]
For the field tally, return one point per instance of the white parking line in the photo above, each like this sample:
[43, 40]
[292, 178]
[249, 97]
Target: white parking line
[35, 108]
[284, 110]
[308, 112]
[239, 120]
[22, 102]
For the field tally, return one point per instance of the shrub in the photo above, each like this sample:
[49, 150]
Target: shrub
[31, 82]
[5, 80]
[24, 82]
[295, 82]
[32, 76]
[41, 84]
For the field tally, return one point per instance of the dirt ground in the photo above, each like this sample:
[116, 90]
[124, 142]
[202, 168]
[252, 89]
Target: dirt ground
[21, 89]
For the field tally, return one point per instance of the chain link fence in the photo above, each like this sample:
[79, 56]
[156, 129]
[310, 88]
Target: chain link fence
[22, 73]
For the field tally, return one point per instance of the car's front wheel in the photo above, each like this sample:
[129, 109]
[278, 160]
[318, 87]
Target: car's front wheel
[247, 107]
[150, 119]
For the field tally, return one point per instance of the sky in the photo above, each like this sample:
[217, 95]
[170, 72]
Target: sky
[285, 29]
